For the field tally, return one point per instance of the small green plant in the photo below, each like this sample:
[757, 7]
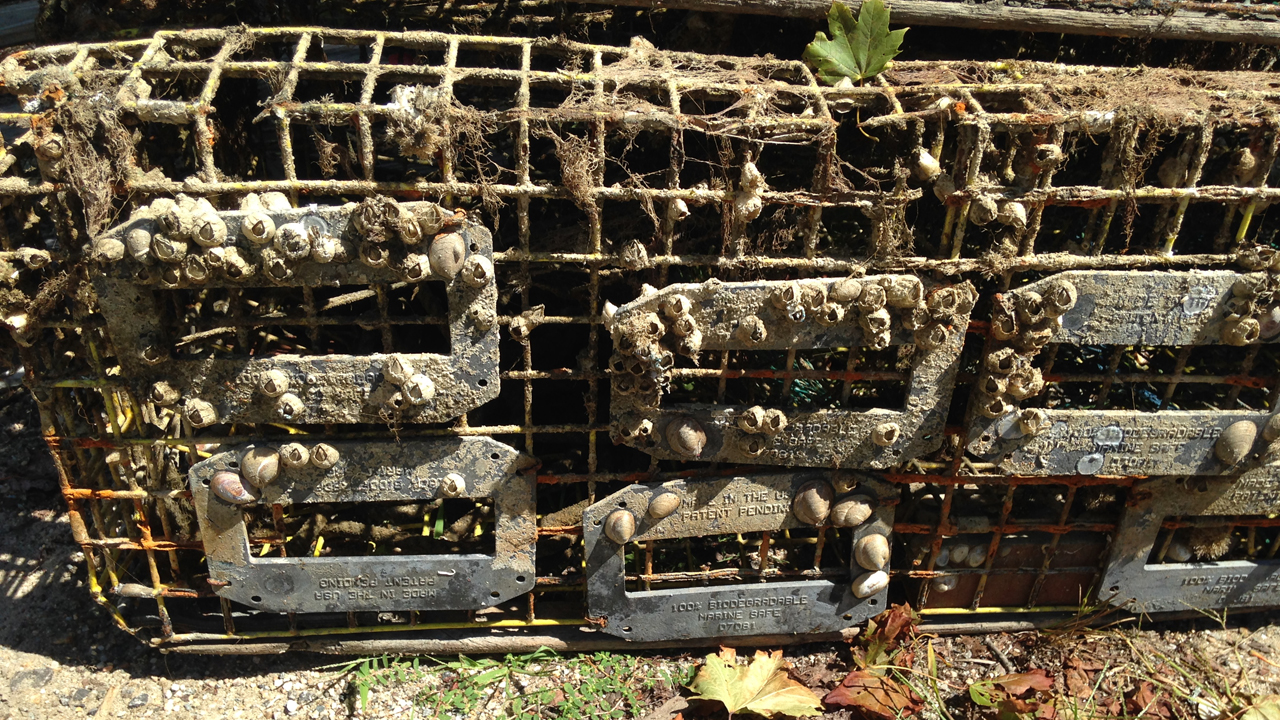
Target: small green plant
[584, 687]
[369, 673]
[858, 49]
[1019, 696]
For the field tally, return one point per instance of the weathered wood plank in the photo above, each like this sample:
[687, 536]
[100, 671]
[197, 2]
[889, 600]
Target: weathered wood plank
[992, 16]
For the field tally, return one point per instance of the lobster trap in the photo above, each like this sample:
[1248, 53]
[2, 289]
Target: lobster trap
[480, 342]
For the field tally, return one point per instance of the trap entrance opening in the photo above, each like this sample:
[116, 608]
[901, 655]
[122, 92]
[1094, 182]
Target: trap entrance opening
[427, 527]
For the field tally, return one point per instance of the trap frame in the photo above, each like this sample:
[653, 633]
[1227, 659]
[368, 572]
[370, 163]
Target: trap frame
[598, 170]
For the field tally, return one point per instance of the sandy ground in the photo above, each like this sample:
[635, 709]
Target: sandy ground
[61, 656]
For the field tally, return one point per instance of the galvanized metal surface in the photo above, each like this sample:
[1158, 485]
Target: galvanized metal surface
[136, 300]
[372, 472]
[600, 171]
[886, 310]
[769, 605]
[1141, 575]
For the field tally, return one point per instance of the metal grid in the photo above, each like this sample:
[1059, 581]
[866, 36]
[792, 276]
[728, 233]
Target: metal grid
[599, 169]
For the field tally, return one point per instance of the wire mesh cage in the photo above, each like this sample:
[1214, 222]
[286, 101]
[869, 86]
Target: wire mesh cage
[339, 333]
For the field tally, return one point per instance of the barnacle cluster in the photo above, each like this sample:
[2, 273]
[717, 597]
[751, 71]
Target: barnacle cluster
[1253, 310]
[1022, 323]
[187, 242]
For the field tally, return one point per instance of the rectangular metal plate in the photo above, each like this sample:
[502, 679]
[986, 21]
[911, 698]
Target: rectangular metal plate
[1115, 442]
[370, 472]
[710, 507]
[1125, 309]
[1117, 307]
[819, 438]
[332, 388]
[1172, 586]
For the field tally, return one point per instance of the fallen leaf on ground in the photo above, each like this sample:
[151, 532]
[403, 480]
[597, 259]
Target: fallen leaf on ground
[669, 710]
[1267, 709]
[1019, 684]
[875, 696]
[1077, 680]
[1005, 695]
[885, 633]
[762, 688]
[1146, 701]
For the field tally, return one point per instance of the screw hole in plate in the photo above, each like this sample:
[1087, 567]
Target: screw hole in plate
[256, 598]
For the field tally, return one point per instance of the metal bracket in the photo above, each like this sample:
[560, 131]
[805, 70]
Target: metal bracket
[370, 472]
[1172, 586]
[1126, 308]
[327, 388]
[751, 316]
[726, 506]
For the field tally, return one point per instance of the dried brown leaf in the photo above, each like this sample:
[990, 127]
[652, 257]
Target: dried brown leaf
[1019, 684]
[874, 696]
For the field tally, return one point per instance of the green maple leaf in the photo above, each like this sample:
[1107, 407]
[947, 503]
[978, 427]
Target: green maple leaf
[763, 687]
[858, 49]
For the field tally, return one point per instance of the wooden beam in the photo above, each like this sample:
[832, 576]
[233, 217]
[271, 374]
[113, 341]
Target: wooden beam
[1178, 24]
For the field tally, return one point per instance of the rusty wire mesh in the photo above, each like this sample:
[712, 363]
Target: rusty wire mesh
[599, 169]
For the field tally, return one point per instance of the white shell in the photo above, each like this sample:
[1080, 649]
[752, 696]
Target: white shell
[1272, 430]
[620, 526]
[419, 390]
[870, 583]
[294, 455]
[201, 413]
[1012, 213]
[943, 584]
[397, 369]
[260, 466]
[813, 503]
[959, 553]
[686, 436]
[751, 420]
[1177, 552]
[852, 511]
[273, 383]
[872, 552]
[983, 209]
[927, 167]
[324, 456]
[477, 271]
[886, 434]
[108, 249]
[453, 485]
[944, 558]
[447, 254]
[231, 487]
[663, 505]
[138, 243]
[258, 228]
[977, 556]
[1235, 442]
[845, 290]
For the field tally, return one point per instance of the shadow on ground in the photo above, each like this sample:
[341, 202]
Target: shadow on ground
[52, 634]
